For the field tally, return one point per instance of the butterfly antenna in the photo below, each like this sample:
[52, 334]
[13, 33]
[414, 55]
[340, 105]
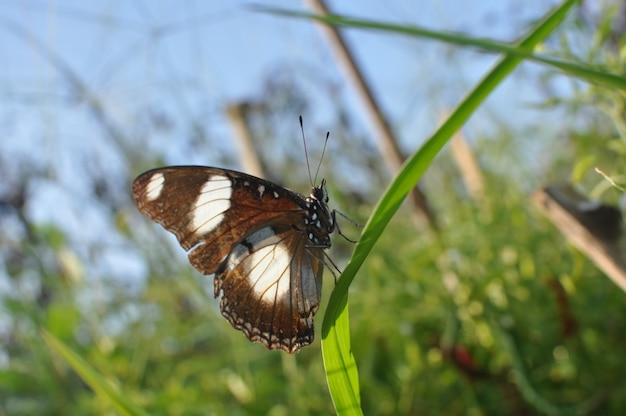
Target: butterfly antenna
[306, 153]
[321, 158]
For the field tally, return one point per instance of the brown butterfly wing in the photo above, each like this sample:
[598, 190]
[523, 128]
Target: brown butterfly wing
[271, 285]
[209, 209]
[233, 225]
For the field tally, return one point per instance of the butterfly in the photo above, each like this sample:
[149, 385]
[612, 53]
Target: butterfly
[264, 243]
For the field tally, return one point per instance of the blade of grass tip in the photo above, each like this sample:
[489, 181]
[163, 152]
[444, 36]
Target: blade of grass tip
[341, 370]
[90, 376]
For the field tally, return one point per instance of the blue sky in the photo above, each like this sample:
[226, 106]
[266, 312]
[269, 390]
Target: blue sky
[132, 52]
[190, 59]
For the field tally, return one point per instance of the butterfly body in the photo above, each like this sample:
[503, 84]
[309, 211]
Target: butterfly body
[264, 243]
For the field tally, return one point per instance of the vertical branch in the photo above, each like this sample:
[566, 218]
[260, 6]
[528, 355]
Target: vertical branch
[466, 161]
[387, 143]
[249, 158]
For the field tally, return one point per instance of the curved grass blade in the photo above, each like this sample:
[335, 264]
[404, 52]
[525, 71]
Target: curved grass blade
[90, 376]
[583, 72]
[341, 370]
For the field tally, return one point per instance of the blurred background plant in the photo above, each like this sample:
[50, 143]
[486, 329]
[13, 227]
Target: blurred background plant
[494, 313]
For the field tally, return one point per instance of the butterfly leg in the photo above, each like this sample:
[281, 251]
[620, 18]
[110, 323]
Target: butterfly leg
[336, 224]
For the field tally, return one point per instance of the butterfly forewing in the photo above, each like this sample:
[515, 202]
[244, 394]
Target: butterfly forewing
[209, 209]
[264, 243]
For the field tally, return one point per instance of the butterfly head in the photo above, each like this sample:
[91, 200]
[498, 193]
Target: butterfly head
[319, 220]
[319, 193]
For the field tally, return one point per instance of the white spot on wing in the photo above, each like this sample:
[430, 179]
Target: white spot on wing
[155, 186]
[269, 272]
[213, 201]
[261, 190]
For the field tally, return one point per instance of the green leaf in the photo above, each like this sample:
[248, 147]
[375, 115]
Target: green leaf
[90, 376]
[341, 369]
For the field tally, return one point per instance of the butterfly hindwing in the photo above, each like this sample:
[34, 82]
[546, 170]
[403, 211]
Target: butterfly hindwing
[264, 243]
[270, 286]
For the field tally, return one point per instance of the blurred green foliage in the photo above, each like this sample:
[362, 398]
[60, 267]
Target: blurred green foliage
[495, 314]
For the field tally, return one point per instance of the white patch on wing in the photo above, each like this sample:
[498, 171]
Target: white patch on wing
[268, 272]
[213, 201]
[155, 186]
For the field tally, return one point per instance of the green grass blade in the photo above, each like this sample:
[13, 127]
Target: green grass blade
[341, 370]
[583, 72]
[90, 376]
